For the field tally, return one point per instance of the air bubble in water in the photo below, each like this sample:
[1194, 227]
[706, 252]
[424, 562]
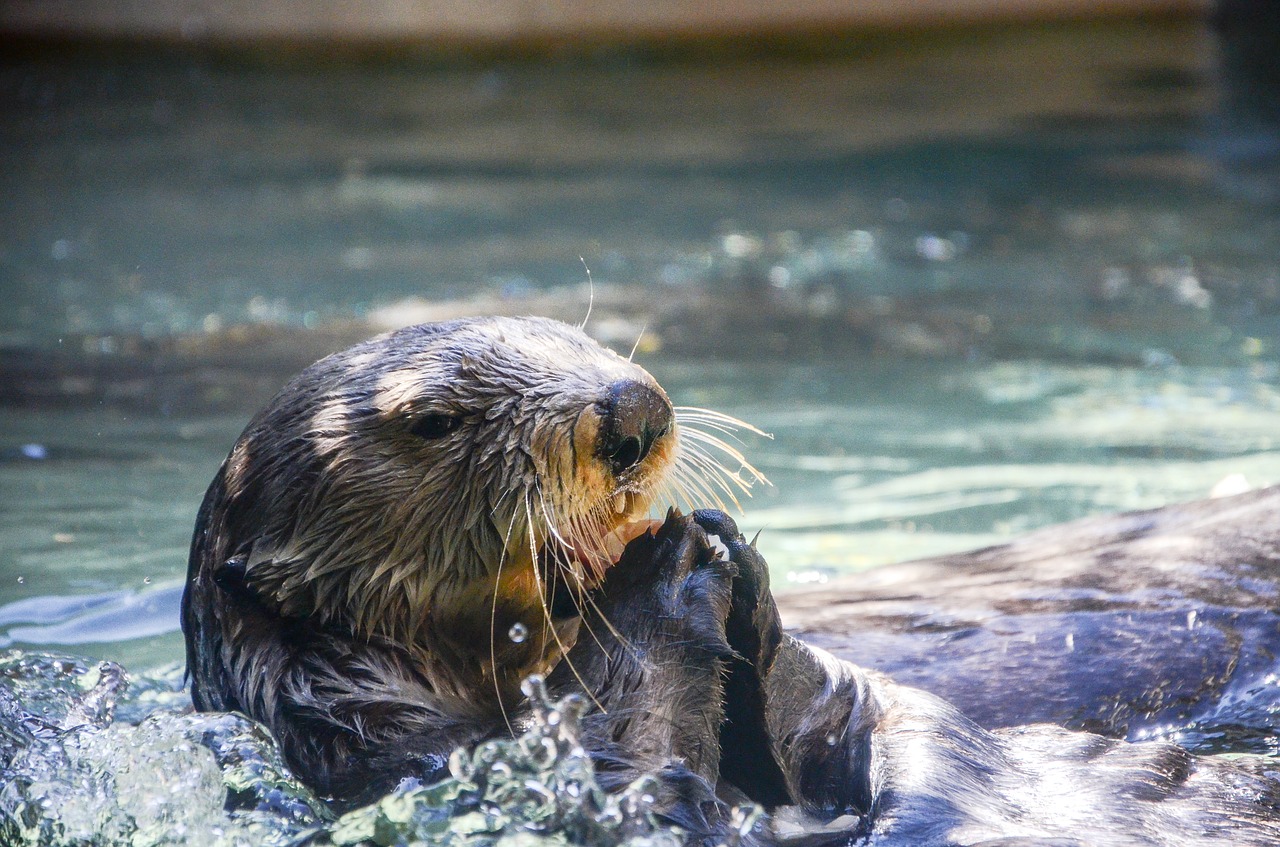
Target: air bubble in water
[518, 632]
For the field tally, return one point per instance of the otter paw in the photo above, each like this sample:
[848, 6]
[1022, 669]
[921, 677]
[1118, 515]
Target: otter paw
[676, 584]
[754, 628]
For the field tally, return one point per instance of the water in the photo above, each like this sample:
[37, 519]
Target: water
[972, 283]
[75, 774]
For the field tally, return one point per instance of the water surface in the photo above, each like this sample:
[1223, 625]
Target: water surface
[973, 283]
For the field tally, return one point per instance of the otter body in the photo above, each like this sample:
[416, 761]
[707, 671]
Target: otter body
[1156, 622]
[415, 524]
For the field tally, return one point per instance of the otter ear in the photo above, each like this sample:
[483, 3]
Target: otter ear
[234, 577]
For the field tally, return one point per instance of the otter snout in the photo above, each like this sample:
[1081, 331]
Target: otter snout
[633, 417]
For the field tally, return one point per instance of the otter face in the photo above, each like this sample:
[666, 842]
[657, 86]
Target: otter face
[450, 466]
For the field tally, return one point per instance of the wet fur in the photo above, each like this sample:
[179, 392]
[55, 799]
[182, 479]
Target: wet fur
[313, 604]
[1126, 625]
[898, 766]
[351, 585]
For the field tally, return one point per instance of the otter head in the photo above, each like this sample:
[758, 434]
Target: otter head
[434, 486]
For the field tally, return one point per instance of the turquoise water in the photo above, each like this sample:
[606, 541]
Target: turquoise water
[972, 283]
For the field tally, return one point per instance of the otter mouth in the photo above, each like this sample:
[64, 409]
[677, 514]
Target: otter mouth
[589, 559]
[615, 541]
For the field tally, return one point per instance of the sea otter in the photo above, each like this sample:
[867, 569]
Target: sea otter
[415, 524]
[409, 530]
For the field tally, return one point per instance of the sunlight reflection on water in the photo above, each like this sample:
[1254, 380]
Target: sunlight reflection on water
[1044, 290]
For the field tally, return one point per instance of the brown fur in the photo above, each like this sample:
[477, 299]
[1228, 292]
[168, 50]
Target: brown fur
[351, 583]
[375, 575]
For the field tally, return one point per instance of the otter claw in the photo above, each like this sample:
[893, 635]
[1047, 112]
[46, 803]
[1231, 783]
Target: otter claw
[724, 537]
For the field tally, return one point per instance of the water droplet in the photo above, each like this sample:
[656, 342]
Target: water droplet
[831, 740]
[535, 688]
[518, 632]
[21, 580]
[146, 580]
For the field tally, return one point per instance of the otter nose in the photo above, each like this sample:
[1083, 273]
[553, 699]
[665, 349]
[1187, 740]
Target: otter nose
[635, 416]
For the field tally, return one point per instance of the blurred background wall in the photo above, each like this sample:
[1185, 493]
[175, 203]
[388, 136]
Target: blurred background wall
[520, 20]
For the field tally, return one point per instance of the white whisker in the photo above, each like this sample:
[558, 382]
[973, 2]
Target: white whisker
[695, 483]
[493, 616]
[697, 413]
[719, 478]
[591, 533]
[698, 437]
[546, 610]
[634, 347]
[591, 293]
[716, 476]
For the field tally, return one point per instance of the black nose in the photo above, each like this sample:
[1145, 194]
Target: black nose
[635, 416]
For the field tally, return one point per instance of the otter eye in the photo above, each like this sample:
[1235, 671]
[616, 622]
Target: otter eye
[435, 425]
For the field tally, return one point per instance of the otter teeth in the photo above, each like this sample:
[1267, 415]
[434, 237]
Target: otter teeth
[620, 503]
[614, 542]
[613, 546]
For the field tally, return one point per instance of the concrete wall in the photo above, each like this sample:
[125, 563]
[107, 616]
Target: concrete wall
[499, 21]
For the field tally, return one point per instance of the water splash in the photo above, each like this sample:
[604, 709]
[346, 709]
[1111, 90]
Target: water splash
[71, 773]
[90, 756]
[538, 788]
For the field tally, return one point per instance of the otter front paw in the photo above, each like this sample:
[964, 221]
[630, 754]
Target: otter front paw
[754, 630]
[652, 653]
[672, 586]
